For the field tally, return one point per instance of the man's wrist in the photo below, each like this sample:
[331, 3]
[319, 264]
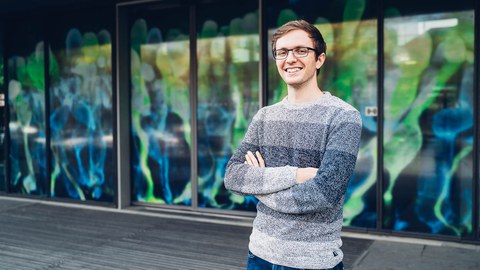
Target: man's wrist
[305, 174]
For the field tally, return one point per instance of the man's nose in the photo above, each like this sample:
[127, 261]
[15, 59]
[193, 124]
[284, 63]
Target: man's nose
[291, 57]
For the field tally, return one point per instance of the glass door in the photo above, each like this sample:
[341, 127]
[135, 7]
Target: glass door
[428, 119]
[228, 94]
[26, 100]
[160, 105]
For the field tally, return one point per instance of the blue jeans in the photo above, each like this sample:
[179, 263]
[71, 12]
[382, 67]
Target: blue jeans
[256, 263]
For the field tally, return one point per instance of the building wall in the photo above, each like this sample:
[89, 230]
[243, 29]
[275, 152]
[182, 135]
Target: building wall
[188, 78]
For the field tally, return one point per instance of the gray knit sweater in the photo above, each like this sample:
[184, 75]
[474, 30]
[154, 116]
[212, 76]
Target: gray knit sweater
[298, 225]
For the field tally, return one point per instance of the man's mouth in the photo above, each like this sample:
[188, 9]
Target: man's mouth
[292, 70]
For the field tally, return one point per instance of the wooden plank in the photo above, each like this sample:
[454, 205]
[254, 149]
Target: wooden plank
[41, 236]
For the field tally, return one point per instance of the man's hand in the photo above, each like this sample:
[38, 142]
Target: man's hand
[305, 174]
[302, 176]
[254, 160]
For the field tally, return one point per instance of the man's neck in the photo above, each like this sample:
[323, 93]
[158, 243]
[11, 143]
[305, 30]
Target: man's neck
[302, 94]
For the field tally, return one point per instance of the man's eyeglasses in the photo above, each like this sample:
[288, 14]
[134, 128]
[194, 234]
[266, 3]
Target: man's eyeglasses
[298, 52]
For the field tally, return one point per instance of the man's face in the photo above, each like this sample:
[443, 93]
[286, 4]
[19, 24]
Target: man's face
[298, 71]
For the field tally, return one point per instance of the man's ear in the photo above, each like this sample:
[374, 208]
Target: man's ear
[320, 60]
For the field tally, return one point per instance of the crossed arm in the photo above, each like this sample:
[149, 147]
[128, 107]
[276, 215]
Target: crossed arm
[245, 179]
[302, 175]
[301, 190]
[320, 188]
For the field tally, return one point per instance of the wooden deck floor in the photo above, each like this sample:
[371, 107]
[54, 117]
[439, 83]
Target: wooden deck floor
[38, 236]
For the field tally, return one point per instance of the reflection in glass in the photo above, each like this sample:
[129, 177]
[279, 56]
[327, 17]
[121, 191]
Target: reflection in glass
[428, 134]
[228, 84]
[26, 101]
[2, 125]
[350, 72]
[160, 70]
[81, 115]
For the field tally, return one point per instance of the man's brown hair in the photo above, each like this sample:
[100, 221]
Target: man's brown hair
[317, 38]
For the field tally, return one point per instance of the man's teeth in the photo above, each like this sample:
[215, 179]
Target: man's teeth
[290, 70]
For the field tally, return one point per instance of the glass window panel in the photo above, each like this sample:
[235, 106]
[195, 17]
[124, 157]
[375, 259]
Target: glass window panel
[428, 128]
[81, 111]
[228, 83]
[26, 101]
[350, 72]
[160, 90]
[2, 117]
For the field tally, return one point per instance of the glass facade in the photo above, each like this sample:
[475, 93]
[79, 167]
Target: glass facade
[26, 101]
[350, 72]
[2, 118]
[195, 82]
[428, 122]
[81, 111]
[228, 97]
[160, 107]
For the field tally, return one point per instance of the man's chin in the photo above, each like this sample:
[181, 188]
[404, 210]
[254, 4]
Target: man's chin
[291, 80]
[294, 83]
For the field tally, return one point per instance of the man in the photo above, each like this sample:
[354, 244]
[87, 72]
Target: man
[296, 158]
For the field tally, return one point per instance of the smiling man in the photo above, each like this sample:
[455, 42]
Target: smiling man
[296, 158]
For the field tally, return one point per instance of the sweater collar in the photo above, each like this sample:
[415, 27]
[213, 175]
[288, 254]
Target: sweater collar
[286, 103]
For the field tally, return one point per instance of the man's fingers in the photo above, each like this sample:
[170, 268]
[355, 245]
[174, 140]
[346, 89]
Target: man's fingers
[247, 160]
[253, 159]
[250, 161]
[260, 159]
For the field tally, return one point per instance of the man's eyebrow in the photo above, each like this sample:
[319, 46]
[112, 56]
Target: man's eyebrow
[298, 46]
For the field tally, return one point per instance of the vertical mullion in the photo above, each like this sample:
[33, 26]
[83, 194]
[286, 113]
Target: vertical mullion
[6, 152]
[114, 46]
[380, 87]
[263, 55]
[123, 109]
[5, 103]
[193, 106]
[46, 74]
[476, 102]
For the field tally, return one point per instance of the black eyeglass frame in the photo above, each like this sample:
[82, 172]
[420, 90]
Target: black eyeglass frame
[274, 52]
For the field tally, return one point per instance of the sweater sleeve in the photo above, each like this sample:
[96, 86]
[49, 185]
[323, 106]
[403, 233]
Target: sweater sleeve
[328, 188]
[244, 179]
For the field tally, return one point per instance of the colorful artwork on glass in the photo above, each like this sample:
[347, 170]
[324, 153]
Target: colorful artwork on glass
[2, 125]
[26, 101]
[81, 114]
[160, 108]
[228, 95]
[428, 127]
